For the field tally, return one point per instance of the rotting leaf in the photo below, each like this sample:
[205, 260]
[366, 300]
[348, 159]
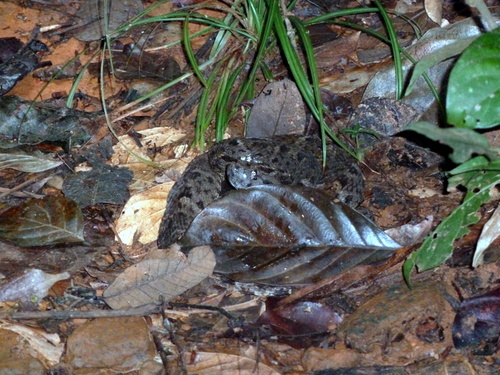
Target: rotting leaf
[161, 273]
[302, 320]
[40, 222]
[22, 122]
[21, 64]
[285, 235]
[103, 184]
[293, 265]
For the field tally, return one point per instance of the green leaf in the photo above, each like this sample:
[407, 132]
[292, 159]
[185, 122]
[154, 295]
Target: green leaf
[474, 164]
[41, 222]
[465, 142]
[438, 246]
[473, 98]
[459, 175]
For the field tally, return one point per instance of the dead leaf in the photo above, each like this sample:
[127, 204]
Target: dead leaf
[383, 83]
[33, 285]
[21, 161]
[102, 184]
[278, 110]
[142, 214]
[286, 235]
[490, 232]
[301, 324]
[41, 123]
[162, 273]
[477, 323]
[93, 16]
[158, 145]
[272, 215]
[207, 363]
[411, 234]
[47, 347]
[434, 9]
[41, 222]
[119, 345]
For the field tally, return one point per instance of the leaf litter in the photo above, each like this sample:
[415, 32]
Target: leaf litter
[196, 341]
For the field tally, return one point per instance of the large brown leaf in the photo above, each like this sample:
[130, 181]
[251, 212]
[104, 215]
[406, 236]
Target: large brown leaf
[162, 274]
[286, 235]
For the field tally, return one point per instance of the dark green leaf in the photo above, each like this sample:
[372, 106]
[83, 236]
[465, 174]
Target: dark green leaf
[473, 98]
[465, 142]
[40, 222]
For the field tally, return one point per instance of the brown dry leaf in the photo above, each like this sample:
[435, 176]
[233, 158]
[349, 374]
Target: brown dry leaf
[161, 273]
[47, 347]
[142, 214]
[206, 363]
[278, 110]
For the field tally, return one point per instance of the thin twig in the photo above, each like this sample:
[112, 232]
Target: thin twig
[24, 184]
[71, 314]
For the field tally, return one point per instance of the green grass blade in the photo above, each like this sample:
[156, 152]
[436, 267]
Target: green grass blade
[395, 47]
[190, 53]
[311, 62]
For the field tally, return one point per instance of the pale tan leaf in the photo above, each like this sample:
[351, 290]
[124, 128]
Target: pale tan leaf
[150, 138]
[163, 146]
[162, 273]
[411, 234]
[142, 214]
[434, 9]
[490, 232]
[207, 363]
[347, 82]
